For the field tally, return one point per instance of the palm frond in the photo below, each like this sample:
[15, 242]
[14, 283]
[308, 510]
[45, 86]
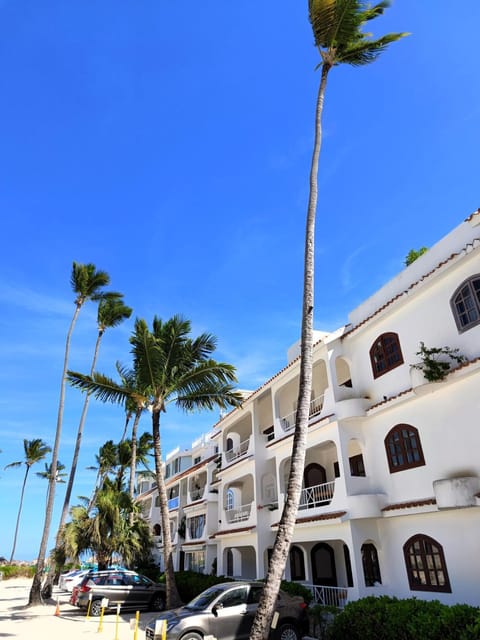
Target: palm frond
[100, 386]
[365, 52]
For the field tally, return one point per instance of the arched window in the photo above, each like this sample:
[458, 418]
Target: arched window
[157, 530]
[230, 502]
[385, 354]
[297, 564]
[403, 448]
[371, 567]
[465, 304]
[425, 563]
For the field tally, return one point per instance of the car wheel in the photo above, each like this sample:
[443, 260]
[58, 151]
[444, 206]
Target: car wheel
[192, 636]
[288, 631]
[157, 603]
[96, 608]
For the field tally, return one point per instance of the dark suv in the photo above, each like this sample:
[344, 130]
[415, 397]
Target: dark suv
[127, 588]
[226, 611]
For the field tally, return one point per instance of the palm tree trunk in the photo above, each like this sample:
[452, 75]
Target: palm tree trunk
[133, 461]
[35, 596]
[125, 427]
[53, 575]
[19, 514]
[263, 618]
[173, 597]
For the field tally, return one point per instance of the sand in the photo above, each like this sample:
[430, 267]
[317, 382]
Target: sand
[17, 620]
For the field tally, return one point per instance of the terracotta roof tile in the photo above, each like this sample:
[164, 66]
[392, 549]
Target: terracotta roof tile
[410, 504]
[324, 516]
[475, 242]
[229, 531]
[470, 217]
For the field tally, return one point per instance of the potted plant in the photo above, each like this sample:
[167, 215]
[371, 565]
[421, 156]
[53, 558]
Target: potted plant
[436, 362]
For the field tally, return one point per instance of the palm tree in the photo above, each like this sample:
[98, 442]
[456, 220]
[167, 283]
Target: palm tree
[107, 531]
[87, 283]
[337, 29]
[35, 450]
[134, 405]
[111, 312]
[170, 368]
[59, 479]
[106, 460]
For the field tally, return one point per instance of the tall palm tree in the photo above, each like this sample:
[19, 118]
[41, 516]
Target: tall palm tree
[170, 368]
[110, 313]
[35, 450]
[87, 284]
[106, 460]
[337, 29]
[46, 475]
[134, 405]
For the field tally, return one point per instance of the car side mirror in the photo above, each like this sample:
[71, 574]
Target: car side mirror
[216, 608]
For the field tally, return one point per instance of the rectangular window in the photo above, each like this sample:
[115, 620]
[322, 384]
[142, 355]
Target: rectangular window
[357, 467]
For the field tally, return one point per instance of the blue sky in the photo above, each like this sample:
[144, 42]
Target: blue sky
[169, 143]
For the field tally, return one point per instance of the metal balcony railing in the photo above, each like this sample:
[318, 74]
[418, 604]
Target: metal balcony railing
[238, 514]
[317, 495]
[238, 451]
[288, 421]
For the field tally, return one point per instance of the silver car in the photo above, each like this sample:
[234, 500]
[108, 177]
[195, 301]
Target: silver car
[226, 611]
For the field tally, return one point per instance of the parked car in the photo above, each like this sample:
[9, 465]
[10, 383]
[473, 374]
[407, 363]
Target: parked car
[226, 611]
[69, 580]
[127, 588]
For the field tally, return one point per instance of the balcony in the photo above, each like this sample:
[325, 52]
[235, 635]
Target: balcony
[196, 493]
[174, 503]
[288, 421]
[317, 496]
[238, 514]
[237, 452]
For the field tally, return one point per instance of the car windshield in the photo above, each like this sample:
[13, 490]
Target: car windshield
[203, 600]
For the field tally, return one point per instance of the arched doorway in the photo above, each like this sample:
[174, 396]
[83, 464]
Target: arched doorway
[314, 474]
[323, 565]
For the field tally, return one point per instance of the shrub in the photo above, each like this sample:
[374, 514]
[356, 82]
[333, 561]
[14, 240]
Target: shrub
[296, 589]
[17, 571]
[190, 584]
[388, 618]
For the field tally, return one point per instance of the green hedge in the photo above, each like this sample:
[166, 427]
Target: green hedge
[190, 584]
[388, 618]
[17, 571]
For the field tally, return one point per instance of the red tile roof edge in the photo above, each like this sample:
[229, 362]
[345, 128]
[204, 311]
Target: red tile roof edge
[333, 515]
[352, 329]
[228, 531]
[410, 504]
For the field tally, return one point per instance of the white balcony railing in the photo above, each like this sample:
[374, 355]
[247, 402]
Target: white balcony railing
[238, 451]
[238, 514]
[317, 495]
[329, 596]
[174, 503]
[288, 421]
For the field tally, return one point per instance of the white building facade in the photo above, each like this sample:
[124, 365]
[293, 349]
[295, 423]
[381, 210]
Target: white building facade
[391, 497]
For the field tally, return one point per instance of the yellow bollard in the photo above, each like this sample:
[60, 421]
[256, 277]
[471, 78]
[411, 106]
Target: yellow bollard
[161, 629]
[87, 617]
[117, 621]
[100, 624]
[137, 618]
[104, 604]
